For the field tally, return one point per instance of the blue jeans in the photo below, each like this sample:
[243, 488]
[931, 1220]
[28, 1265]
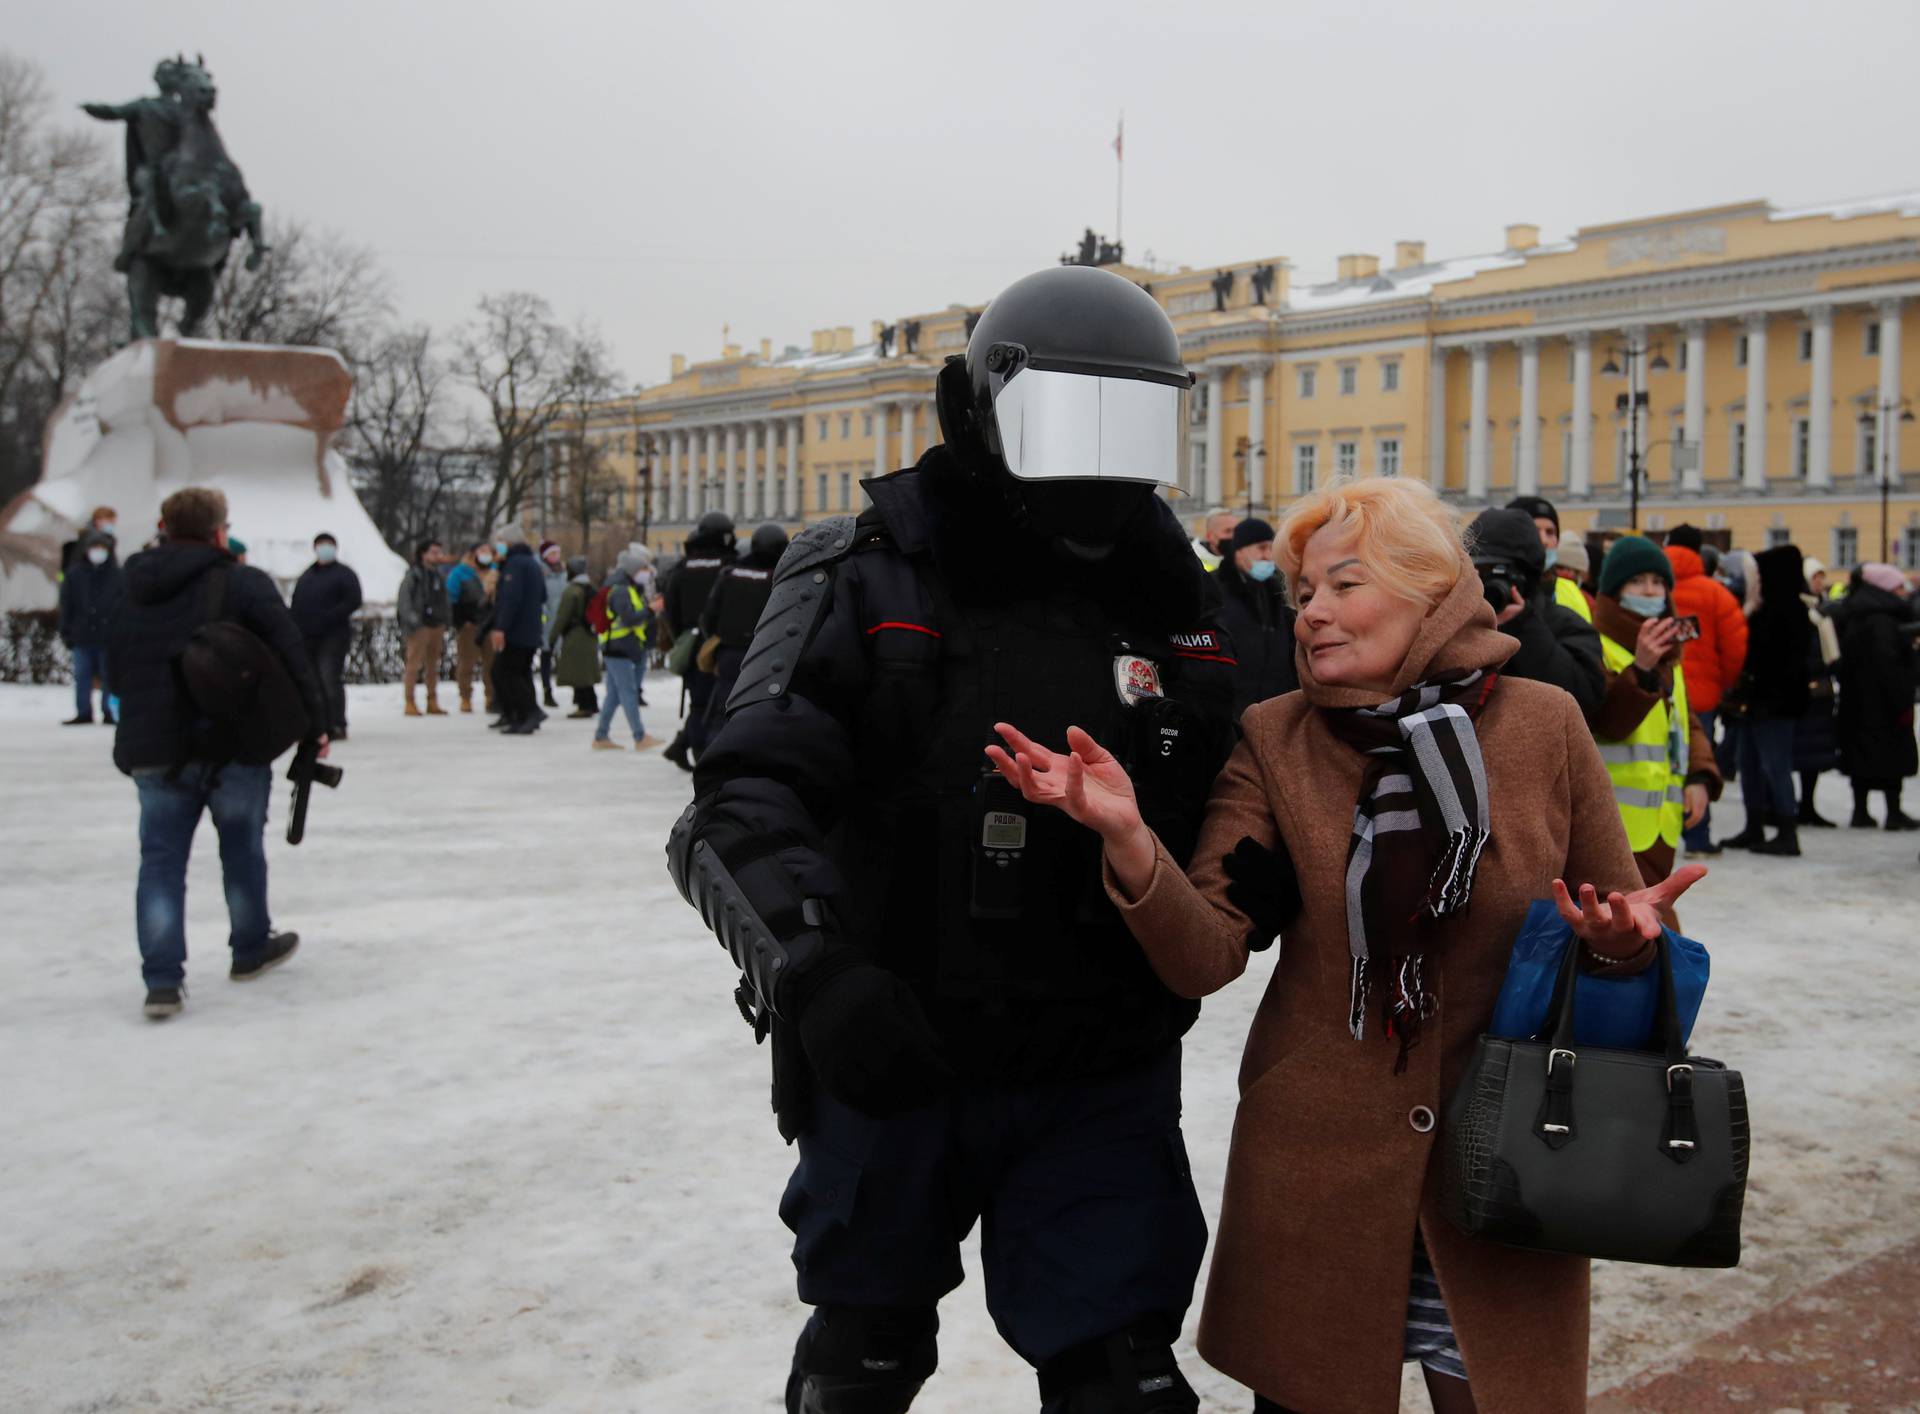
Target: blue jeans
[236, 797]
[1701, 835]
[1766, 771]
[89, 663]
[623, 690]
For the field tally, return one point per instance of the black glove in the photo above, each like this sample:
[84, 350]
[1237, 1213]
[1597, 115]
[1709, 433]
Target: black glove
[1265, 887]
[868, 1041]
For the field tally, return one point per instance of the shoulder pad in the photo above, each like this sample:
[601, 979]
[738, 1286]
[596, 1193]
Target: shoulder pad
[802, 589]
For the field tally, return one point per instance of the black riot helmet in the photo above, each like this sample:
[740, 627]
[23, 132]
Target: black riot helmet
[769, 541]
[1069, 399]
[714, 528]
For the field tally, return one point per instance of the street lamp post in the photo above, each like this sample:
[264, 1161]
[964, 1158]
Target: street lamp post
[1882, 415]
[1635, 398]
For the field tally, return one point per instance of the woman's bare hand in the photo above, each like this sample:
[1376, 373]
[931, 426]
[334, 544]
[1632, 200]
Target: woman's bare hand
[1622, 924]
[1090, 786]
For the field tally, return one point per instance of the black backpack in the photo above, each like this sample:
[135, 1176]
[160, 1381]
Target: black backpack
[239, 685]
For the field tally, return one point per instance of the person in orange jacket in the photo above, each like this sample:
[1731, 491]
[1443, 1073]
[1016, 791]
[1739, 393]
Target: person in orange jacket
[1713, 660]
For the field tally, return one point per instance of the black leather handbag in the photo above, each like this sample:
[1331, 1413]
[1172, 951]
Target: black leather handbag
[1634, 1156]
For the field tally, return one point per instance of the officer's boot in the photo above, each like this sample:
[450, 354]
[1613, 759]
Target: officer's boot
[1130, 1372]
[862, 1360]
[677, 752]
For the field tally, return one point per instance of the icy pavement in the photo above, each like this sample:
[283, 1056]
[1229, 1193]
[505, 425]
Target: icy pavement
[496, 1138]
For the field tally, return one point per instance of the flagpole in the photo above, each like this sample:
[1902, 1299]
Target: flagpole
[1120, 175]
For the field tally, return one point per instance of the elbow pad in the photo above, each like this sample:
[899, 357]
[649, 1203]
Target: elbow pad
[769, 961]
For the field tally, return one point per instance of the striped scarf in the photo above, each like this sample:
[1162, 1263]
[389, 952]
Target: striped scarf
[1418, 829]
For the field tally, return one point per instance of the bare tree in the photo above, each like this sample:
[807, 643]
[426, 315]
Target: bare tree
[528, 369]
[587, 474]
[57, 206]
[394, 439]
[312, 289]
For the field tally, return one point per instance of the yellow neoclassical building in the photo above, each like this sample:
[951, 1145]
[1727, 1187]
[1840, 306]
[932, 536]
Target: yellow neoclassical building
[1770, 355]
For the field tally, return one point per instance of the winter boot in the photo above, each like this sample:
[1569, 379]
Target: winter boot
[1863, 819]
[163, 1002]
[546, 700]
[106, 717]
[1812, 818]
[1898, 819]
[601, 743]
[676, 752]
[1752, 837]
[466, 704]
[434, 709]
[280, 947]
[1786, 843]
[412, 711]
[78, 722]
[646, 743]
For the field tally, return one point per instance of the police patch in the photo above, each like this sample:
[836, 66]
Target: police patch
[1137, 679]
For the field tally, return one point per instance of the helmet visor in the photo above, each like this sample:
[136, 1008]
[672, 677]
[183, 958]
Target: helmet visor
[1057, 426]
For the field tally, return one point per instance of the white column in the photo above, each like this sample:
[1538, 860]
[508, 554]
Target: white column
[1820, 399]
[1694, 427]
[1477, 425]
[909, 433]
[659, 460]
[1215, 491]
[1527, 474]
[1257, 431]
[753, 497]
[1437, 420]
[669, 472]
[729, 483]
[1580, 467]
[1753, 472]
[882, 417]
[793, 468]
[1889, 449]
[770, 476]
[709, 474]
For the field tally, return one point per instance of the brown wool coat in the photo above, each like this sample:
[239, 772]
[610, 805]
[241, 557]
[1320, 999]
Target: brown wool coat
[1328, 1173]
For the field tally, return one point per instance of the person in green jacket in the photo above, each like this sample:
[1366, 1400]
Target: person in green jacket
[577, 664]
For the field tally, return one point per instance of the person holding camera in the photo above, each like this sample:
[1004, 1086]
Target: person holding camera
[1661, 762]
[1557, 646]
[173, 753]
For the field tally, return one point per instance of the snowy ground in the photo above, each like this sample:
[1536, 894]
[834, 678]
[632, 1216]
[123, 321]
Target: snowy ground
[497, 1139]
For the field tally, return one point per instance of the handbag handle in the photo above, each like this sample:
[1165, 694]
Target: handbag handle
[1554, 1124]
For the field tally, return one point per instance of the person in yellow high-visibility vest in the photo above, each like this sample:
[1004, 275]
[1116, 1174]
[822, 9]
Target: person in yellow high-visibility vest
[1659, 759]
[1546, 519]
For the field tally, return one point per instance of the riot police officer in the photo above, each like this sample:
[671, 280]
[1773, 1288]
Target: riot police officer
[734, 607]
[961, 1025]
[710, 549]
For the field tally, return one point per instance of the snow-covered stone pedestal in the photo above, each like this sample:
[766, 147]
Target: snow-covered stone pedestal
[256, 421]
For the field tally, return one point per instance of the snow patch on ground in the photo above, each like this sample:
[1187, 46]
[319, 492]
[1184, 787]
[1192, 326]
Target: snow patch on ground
[496, 1138]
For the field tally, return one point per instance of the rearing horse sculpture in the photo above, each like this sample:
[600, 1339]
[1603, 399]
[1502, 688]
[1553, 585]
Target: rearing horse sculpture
[187, 201]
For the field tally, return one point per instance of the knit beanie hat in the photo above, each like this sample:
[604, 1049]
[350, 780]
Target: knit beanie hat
[577, 565]
[1687, 537]
[511, 535]
[1884, 577]
[1573, 555]
[1251, 531]
[1538, 507]
[628, 563]
[549, 550]
[1632, 555]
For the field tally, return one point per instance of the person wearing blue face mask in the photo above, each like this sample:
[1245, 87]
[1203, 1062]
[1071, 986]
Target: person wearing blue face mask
[1256, 616]
[1654, 748]
[325, 599]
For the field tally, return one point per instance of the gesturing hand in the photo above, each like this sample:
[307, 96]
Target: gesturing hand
[1092, 788]
[1655, 640]
[1621, 925]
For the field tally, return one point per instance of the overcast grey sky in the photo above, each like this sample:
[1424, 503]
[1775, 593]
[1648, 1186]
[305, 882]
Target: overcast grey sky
[662, 169]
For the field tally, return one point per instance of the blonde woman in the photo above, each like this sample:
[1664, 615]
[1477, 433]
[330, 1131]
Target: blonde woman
[1391, 821]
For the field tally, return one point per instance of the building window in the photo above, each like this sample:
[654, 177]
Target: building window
[1806, 346]
[1802, 445]
[1305, 455]
[1390, 456]
[1910, 548]
[866, 424]
[820, 492]
[1390, 376]
[1349, 379]
[1566, 457]
[1681, 362]
[1308, 376]
[1346, 458]
[1846, 547]
[1872, 341]
[846, 490]
[823, 429]
[846, 425]
[1740, 351]
[1778, 535]
[1868, 443]
[1570, 362]
[1737, 446]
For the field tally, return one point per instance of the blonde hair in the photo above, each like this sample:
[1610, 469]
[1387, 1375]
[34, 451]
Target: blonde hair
[1408, 538]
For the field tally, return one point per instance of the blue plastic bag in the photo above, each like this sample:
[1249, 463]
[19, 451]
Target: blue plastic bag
[1613, 1012]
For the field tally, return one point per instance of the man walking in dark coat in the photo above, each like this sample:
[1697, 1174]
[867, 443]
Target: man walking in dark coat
[1256, 616]
[90, 594]
[519, 622]
[733, 610]
[325, 599]
[178, 765]
[710, 549]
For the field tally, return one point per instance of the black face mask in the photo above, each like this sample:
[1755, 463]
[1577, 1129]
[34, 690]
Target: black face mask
[1083, 520]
